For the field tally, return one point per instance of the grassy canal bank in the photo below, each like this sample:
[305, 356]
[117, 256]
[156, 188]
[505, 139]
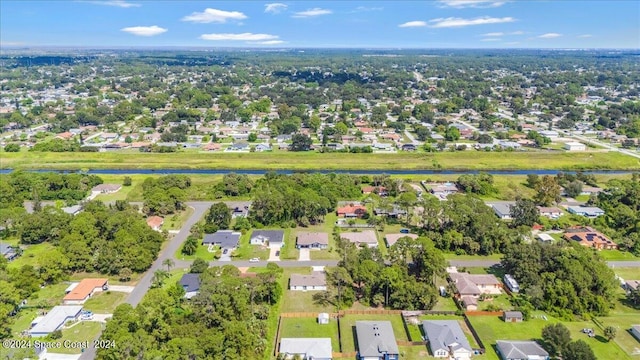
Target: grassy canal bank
[321, 161]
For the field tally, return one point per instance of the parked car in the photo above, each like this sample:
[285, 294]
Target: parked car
[254, 260]
[278, 253]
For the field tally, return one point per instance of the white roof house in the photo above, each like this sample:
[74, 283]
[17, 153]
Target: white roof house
[55, 319]
[575, 146]
[308, 348]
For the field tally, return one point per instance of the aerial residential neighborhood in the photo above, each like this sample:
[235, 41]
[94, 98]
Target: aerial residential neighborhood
[371, 180]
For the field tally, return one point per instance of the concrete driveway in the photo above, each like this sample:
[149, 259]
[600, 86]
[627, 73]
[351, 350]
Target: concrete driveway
[100, 317]
[305, 255]
[272, 253]
[227, 256]
[121, 288]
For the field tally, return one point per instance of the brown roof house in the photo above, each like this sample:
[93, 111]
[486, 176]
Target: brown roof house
[312, 240]
[588, 236]
[83, 290]
[316, 281]
[475, 284]
[366, 237]
[155, 222]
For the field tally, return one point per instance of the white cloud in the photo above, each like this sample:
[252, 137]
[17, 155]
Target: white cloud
[493, 34]
[584, 36]
[312, 12]
[491, 39]
[460, 22]
[549, 36]
[512, 43]
[275, 8]
[11, 43]
[214, 16]
[144, 30]
[498, 34]
[413, 24]
[460, 4]
[116, 3]
[270, 42]
[238, 37]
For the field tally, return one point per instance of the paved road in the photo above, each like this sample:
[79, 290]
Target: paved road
[167, 253]
[412, 138]
[607, 146]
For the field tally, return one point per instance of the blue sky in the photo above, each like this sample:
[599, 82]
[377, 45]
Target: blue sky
[379, 24]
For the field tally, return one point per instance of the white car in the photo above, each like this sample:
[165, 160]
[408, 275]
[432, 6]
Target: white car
[254, 260]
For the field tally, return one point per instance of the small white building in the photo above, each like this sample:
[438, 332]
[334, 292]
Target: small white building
[575, 146]
[323, 318]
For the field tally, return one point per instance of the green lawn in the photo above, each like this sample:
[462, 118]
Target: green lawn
[449, 256]
[309, 328]
[49, 296]
[302, 301]
[325, 161]
[175, 221]
[445, 304]
[492, 328]
[617, 255]
[122, 194]
[247, 251]
[289, 251]
[31, 255]
[348, 323]
[627, 273]
[23, 320]
[105, 302]
[82, 331]
[175, 276]
[202, 252]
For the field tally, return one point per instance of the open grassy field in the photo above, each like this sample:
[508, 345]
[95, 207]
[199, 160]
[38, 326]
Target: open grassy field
[321, 161]
[627, 273]
[31, 255]
[309, 328]
[175, 221]
[81, 331]
[48, 296]
[302, 301]
[617, 255]
[105, 302]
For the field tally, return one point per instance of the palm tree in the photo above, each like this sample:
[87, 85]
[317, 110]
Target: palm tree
[168, 263]
[159, 276]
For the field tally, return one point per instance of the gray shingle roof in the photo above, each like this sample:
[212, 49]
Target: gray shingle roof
[519, 349]
[227, 239]
[190, 282]
[56, 318]
[445, 335]
[310, 348]
[273, 236]
[309, 238]
[317, 278]
[375, 338]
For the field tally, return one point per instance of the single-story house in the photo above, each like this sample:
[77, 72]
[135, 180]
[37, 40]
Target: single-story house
[550, 212]
[106, 188]
[630, 285]
[226, 239]
[520, 350]
[54, 320]
[366, 237]
[391, 239]
[511, 283]
[503, 211]
[376, 341]
[380, 190]
[191, 284]
[316, 281]
[635, 331]
[545, 238]
[408, 147]
[589, 237]
[84, 290]
[8, 252]
[587, 211]
[72, 210]
[512, 316]
[351, 211]
[441, 190]
[306, 348]
[590, 190]
[446, 339]
[312, 240]
[575, 146]
[475, 284]
[155, 222]
[394, 212]
[267, 237]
